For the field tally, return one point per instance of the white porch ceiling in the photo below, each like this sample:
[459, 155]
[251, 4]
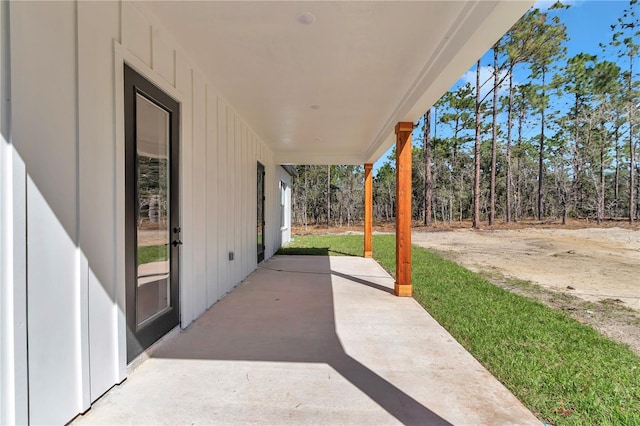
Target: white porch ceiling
[332, 91]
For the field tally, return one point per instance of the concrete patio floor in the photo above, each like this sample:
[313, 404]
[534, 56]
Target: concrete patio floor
[311, 340]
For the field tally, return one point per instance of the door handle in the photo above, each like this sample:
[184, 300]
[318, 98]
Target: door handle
[176, 243]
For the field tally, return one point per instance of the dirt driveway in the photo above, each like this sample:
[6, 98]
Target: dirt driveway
[593, 274]
[592, 263]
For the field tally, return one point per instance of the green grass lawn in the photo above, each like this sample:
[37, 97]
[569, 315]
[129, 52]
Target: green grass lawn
[325, 245]
[563, 371]
[147, 254]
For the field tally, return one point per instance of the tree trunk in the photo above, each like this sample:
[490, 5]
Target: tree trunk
[306, 194]
[509, 124]
[494, 141]
[576, 161]
[617, 175]
[632, 150]
[518, 172]
[427, 168]
[541, 154]
[461, 196]
[476, 175]
[637, 191]
[602, 185]
[632, 156]
[329, 196]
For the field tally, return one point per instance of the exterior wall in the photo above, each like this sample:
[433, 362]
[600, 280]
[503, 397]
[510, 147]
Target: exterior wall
[285, 229]
[13, 302]
[62, 192]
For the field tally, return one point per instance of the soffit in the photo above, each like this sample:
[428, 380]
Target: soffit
[365, 65]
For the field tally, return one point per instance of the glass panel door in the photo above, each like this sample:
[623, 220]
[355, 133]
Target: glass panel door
[152, 250]
[260, 203]
[152, 223]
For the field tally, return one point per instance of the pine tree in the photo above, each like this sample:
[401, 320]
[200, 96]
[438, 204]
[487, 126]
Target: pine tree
[427, 168]
[476, 153]
[549, 39]
[494, 138]
[625, 38]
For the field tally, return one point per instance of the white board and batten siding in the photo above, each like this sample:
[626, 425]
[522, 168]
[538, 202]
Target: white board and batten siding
[66, 160]
[285, 222]
[13, 243]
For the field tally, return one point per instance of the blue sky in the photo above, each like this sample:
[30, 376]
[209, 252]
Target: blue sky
[588, 24]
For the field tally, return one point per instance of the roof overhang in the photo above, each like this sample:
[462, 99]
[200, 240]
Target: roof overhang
[331, 91]
[290, 170]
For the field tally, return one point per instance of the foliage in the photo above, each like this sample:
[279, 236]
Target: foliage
[323, 194]
[566, 130]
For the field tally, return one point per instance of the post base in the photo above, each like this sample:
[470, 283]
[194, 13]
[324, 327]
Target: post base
[403, 290]
[368, 254]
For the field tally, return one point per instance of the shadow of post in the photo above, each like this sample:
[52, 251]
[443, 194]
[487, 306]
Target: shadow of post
[285, 313]
[397, 403]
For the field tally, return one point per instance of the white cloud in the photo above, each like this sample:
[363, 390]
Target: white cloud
[486, 80]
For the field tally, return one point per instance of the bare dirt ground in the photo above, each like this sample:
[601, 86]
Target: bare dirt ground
[592, 273]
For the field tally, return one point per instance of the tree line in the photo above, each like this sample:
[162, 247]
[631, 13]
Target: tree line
[545, 136]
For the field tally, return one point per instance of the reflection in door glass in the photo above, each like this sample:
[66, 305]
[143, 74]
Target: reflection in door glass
[260, 215]
[153, 233]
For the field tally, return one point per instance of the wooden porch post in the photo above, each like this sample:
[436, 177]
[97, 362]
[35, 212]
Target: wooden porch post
[403, 287]
[368, 209]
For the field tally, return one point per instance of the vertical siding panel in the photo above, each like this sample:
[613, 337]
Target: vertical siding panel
[269, 208]
[224, 195]
[136, 32]
[254, 196]
[245, 203]
[275, 227]
[183, 84]
[199, 252]
[237, 197]
[55, 364]
[269, 183]
[267, 194]
[248, 223]
[275, 210]
[257, 149]
[187, 290]
[98, 26]
[212, 197]
[183, 72]
[231, 194]
[163, 56]
[44, 131]
[14, 408]
[275, 197]
[277, 232]
[267, 176]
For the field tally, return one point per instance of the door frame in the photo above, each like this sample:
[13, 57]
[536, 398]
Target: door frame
[261, 171]
[137, 340]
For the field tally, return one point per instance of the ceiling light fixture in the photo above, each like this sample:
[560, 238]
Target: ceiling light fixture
[306, 18]
[315, 107]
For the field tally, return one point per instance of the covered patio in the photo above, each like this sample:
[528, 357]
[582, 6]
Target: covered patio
[311, 340]
[239, 89]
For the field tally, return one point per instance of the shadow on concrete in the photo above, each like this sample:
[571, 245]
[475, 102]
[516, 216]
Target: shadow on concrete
[311, 251]
[359, 280]
[282, 315]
